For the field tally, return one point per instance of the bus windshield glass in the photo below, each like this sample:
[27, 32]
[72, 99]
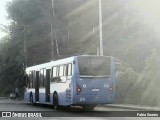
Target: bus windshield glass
[94, 65]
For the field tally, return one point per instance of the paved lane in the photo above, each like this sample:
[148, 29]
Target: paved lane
[19, 105]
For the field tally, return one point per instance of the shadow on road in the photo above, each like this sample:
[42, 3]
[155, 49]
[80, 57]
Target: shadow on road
[72, 111]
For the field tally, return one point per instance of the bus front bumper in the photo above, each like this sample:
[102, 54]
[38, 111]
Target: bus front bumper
[93, 99]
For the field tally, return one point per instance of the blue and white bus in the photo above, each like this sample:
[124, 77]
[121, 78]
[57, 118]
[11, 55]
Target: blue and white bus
[86, 81]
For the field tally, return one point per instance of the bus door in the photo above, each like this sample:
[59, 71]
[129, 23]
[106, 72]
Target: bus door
[47, 85]
[37, 87]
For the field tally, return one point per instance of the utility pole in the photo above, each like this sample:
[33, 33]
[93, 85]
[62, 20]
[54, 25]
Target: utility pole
[24, 43]
[52, 38]
[25, 48]
[52, 41]
[100, 29]
[57, 47]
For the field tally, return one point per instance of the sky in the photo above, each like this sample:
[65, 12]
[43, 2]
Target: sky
[149, 9]
[3, 15]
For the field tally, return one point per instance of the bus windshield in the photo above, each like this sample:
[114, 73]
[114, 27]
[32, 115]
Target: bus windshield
[94, 65]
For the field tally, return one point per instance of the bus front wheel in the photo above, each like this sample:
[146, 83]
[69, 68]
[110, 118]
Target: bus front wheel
[55, 101]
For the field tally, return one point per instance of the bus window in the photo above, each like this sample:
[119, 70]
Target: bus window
[28, 82]
[69, 71]
[33, 79]
[61, 70]
[94, 66]
[57, 71]
[42, 78]
[64, 70]
[30, 79]
[54, 72]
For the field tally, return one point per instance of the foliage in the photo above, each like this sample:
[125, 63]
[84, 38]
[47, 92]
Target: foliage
[30, 23]
[125, 82]
[149, 80]
[11, 63]
[126, 36]
[143, 88]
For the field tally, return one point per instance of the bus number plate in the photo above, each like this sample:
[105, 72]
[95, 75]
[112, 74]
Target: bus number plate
[95, 90]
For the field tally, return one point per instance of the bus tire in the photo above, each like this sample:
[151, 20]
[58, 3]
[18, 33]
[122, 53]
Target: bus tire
[55, 101]
[67, 108]
[88, 108]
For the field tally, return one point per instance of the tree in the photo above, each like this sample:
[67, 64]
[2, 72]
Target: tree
[141, 88]
[11, 63]
[126, 80]
[149, 80]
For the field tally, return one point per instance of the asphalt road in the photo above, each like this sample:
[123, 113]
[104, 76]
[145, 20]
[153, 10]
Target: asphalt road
[100, 112]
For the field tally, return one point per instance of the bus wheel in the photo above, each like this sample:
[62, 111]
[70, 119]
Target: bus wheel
[88, 108]
[67, 108]
[55, 102]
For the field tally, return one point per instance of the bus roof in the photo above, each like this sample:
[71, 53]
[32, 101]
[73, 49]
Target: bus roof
[48, 65]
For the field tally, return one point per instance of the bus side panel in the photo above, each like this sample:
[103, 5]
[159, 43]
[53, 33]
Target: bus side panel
[63, 94]
[27, 96]
[60, 89]
[64, 90]
[113, 77]
[74, 82]
[42, 95]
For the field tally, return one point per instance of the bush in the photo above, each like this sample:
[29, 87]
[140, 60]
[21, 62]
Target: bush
[125, 82]
[134, 88]
[150, 80]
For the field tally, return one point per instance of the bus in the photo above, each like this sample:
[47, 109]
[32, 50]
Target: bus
[84, 80]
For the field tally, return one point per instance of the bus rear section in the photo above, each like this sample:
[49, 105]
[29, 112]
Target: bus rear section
[95, 81]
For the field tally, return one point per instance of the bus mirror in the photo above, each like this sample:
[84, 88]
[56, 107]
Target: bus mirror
[74, 62]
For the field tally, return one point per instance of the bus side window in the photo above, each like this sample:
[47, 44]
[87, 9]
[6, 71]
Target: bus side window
[55, 77]
[65, 70]
[51, 77]
[61, 70]
[41, 78]
[44, 76]
[33, 79]
[27, 81]
[69, 71]
[30, 79]
[57, 71]
[54, 72]
[51, 72]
